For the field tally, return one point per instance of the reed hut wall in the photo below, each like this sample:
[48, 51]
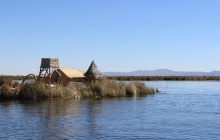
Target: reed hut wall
[64, 78]
[55, 78]
[59, 79]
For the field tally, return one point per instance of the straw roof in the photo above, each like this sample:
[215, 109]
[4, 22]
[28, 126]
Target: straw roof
[93, 71]
[72, 73]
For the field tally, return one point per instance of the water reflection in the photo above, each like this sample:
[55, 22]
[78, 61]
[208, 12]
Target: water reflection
[47, 117]
[63, 107]
[56, 118]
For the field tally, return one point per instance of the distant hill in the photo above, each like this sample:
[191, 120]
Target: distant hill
[162, 72]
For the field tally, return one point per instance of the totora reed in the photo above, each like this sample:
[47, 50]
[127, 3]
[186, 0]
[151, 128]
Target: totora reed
[98, 89]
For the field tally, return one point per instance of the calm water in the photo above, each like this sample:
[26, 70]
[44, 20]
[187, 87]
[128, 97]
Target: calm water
[189, 110]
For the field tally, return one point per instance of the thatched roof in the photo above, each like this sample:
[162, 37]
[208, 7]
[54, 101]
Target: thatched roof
[72, 73]
[93, 71]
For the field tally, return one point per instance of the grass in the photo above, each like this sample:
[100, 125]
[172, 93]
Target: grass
[8, 88]
[6, 92]
[112, 88]
[99, 89]
[41, 90]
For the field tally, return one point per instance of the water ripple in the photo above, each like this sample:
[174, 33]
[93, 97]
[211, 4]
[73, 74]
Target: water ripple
[191, 110]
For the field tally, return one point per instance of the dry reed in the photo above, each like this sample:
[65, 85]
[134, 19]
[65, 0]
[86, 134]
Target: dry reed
[97, 89]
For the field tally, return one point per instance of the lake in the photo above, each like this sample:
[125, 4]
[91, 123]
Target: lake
[188, 110]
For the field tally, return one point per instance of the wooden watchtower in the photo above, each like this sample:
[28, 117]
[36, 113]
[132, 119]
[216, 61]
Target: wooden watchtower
[47, 66]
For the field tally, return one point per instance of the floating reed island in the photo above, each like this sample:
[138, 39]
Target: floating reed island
[55, 82]
[98, 89]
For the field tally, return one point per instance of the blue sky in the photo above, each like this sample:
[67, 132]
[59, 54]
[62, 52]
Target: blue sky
[120, 35]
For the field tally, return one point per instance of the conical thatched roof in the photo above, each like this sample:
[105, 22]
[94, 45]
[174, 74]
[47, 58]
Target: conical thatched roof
[93, 71]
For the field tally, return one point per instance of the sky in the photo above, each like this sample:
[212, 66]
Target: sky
[119, 35]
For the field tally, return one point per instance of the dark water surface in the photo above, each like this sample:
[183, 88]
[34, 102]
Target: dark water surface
[189, 110]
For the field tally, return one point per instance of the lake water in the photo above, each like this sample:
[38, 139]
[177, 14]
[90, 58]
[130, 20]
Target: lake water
[188, 110]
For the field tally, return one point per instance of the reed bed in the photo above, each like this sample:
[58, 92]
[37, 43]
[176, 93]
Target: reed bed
[11, 77]
[164, 78]
[8, 88]
[97, 89]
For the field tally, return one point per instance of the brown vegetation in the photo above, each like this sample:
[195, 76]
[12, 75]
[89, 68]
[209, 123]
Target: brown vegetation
[8, 88]
[10, 77]
[165, 78]
[98, 89]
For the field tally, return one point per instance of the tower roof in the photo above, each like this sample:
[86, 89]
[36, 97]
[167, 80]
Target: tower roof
[49, 63]
[93, 71]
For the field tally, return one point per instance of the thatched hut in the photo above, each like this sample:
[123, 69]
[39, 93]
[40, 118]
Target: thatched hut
[66, 75]
[93, 72]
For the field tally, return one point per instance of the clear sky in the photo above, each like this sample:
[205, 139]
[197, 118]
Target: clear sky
[120, 35]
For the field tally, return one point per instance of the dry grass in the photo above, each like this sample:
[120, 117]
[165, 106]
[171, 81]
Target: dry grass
[112, 88]
[8, 93]
[8, 89]
[42, 91]
[103, 88]
[98, 89]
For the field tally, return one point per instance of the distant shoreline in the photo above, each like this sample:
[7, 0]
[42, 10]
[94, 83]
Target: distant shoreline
[140, 78]
[164, 78]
